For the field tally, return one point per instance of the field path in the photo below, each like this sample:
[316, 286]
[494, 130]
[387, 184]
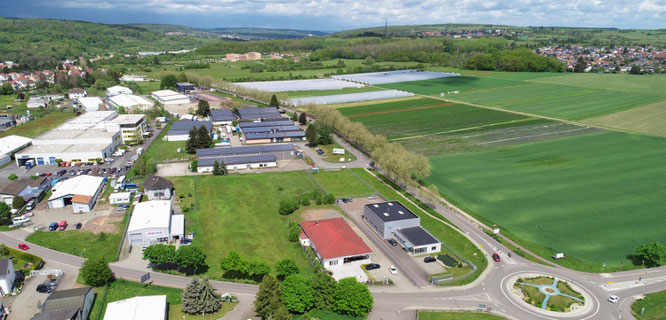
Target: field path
[399, 110]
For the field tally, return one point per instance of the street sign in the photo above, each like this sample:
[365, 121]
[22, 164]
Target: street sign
[145, 277]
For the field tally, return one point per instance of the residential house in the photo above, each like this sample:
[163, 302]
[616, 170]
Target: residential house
[158, 188]
[7, 276]
[80, 299]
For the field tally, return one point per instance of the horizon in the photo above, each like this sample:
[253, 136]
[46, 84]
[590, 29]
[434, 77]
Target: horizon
[333, 16]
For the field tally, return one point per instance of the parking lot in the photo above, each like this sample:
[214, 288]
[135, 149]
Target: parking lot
[42, 217]
[29, 301]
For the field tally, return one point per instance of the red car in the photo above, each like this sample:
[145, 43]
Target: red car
[496, 257]
[48, 174]
[23, 246]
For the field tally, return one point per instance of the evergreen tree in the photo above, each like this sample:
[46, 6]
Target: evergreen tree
[199, 296]
[281, 313]
[193, 142]
[223, 168]
[204, 137]
[274, 102]
[216, 169]
[311, 135]
[268, 299]
[203, 109]
[323, 291]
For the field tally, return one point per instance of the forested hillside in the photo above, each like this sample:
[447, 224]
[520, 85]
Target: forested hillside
[40, 42]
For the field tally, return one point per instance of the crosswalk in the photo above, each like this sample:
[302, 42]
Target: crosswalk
[614, 286]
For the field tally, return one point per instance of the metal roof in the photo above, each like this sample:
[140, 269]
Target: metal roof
[391, 211]
[206, 162]
[270, 129]
[244, 150]
[258, 113]
[417, 236]
[222, 115]
[285, 122]
[270, 135]
[188, 125]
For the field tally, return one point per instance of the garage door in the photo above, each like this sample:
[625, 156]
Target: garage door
[40, 161]
[136, 238]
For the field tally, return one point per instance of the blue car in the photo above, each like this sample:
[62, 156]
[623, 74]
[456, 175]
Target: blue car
[53, 226]
[124, 206]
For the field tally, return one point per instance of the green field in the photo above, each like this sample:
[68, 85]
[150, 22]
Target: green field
[647, 84]
[443, 85]
[122, 289]
[43, 123]
[330, 157]
[317, 93]
[654, 304]
[443, 315]
[240, 212]
[566, 195]
[161, 150]
[649, 119]
[342, 184]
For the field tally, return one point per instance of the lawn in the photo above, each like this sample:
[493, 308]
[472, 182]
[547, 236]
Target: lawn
[462, 83]
[122, 289]
[335, 158]
[81, 243]
[161, 150]
[654, 304]
[443, 315]
[343, 184]
[649, 119]
[240, 212]
[459, 243]
[43, 123]
[568, 195]
[554, 100]
[23, 260]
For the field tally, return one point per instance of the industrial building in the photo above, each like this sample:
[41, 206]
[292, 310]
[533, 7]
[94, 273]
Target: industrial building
[153, 222]
[77, 300]
[138, 308]
[268, 129]
[222, 117]
[9, 145]
[273, 137]
[82, 139]
[170, 97]
[392, 220]
[7, 122]
[238, 162]
[185, 86]
[253, 114]
[117, 90]
[279, 151]
[180, 130]
[90, 103]
[132, 127]
[334, 242]
[80, 191]
[130, 101]
[281, 122]
[24, 188]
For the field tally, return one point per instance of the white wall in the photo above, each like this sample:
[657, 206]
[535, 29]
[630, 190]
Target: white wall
[180, 137]
[57, 203]
[240, 166]
[146, 239]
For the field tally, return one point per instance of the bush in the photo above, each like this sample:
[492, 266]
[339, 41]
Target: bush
[18, 202]
[12, 177]
[96, 272]
[294, 232]
[329, 198]
[287, 206]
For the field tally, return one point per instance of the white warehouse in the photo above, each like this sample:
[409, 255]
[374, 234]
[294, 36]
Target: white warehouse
[153, 222]
[170, 97]
[81, 192]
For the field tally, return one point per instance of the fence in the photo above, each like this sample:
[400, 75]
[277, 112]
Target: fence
[46, 272]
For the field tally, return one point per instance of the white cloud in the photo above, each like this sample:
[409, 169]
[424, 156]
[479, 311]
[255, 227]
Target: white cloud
[354, 13]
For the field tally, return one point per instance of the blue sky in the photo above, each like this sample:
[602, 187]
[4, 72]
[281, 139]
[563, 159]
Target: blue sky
[333, 15]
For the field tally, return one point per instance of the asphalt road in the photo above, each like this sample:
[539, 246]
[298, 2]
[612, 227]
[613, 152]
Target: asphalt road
[489, 290]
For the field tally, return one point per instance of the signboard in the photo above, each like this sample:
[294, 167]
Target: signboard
[496, 231]
[154, 233]
[145, 277]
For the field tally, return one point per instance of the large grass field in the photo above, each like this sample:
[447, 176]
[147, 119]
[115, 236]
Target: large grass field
[317, 93]
[342, 184]
[45, 122]
[594, 197]
[161, 150]
[462, 83]
[122, 289]
[654, 304]
[647, 84]
[649, 119]
[240, 212]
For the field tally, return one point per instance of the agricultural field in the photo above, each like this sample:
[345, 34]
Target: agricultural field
[317, 93]
[462, 83]
[565, 195]
[649, 119]
[647, 84]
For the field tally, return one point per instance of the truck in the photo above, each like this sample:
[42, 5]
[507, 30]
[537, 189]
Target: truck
[29, 164]
[139, 151]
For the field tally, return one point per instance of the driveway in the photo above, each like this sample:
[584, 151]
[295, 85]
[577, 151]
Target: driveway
[43, 217]
[317, 159]
[179, 169]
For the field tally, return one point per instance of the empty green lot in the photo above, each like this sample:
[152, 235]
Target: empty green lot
[461, 83]
[594, 197]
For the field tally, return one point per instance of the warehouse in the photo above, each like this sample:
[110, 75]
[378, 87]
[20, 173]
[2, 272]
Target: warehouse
[238, 162]
[117, 90]
[223, 117]
[24, 188]
[7, 122]
[280, 151]
[185, 86]
[392, 220]
[81, 192]
[138, 308]
[252, 114]
[273, 137]
[282, 122]
[170, 97]
[130, 101]
[152, 223]
[268, 129]
[9, 145]
[334, 242]
[180, 130]
[90, 103]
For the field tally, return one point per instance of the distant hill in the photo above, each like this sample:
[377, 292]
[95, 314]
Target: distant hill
[234, 33]
[43, 41]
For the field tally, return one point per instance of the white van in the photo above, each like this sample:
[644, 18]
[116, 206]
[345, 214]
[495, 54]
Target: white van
[20, 220]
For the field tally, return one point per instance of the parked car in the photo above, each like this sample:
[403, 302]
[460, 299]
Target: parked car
[613, 299]
[79, 225]
[124, 206]
[393, 270]
[496, 257]
[23, 246]
[62, 225]
[20, 220]
[53, 226]
[429, 259]
[27, 214]
[48, 174]
[393, 242]
[372, 197]
[45, 288]
[372, 266]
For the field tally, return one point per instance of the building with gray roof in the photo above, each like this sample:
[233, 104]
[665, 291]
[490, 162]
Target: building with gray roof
[258, 114]
[180, 130]
[78, 298]
[222, 117]
[238, 162]
[280, 151]
[273, 137]
[270, 129]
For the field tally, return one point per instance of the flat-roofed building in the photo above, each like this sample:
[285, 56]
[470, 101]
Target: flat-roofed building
[138, 308]
[9, 145]
[90, 103]
[130, 101]
[238, 162]
[117, 90]
[280, 151]
[131, 126]
[170, 97]
[152, 222]
[273, 137]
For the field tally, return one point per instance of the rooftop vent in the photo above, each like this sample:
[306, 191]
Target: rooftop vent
[390, 204]
[386, 214]
[400, 212]
[376, 205]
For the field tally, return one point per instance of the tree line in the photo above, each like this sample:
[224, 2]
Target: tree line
[518, 60]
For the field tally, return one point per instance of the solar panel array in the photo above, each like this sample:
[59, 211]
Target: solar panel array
[393, 76]
[271, 135]
[270, 129]
[222, 115]
[299, 85]
[285, 122]
[351, 97]
[251, 114]
[248, 150]
[237, 160]
[184, 126]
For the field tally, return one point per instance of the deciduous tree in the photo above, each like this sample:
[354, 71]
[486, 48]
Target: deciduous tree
[285, 268]
[190, 257]
[297, 294]
[168, 82]
[352, 298]
[18, 202]
[234, 265]
[96, 272]
[323, 291]
[160, 254]
[654, 254]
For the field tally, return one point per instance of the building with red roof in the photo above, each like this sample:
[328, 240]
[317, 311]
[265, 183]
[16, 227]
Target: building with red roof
[334, 242]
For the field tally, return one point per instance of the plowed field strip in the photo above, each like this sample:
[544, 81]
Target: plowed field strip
[399, 110]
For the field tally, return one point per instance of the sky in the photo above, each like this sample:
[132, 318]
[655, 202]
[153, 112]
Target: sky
[335, 15]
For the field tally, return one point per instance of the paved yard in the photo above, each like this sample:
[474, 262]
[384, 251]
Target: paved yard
[432, 267]
[29, 301]
[44, 216]
[349, 270]
[179, 169]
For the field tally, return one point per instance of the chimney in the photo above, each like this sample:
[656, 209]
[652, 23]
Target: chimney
[317, 221]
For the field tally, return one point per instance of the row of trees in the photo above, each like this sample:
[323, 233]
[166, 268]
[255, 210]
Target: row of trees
[199, 139]
[298, 294]
[519, 60]
[289, 205]
[187, 258]
[236, 266]
[319, 134]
